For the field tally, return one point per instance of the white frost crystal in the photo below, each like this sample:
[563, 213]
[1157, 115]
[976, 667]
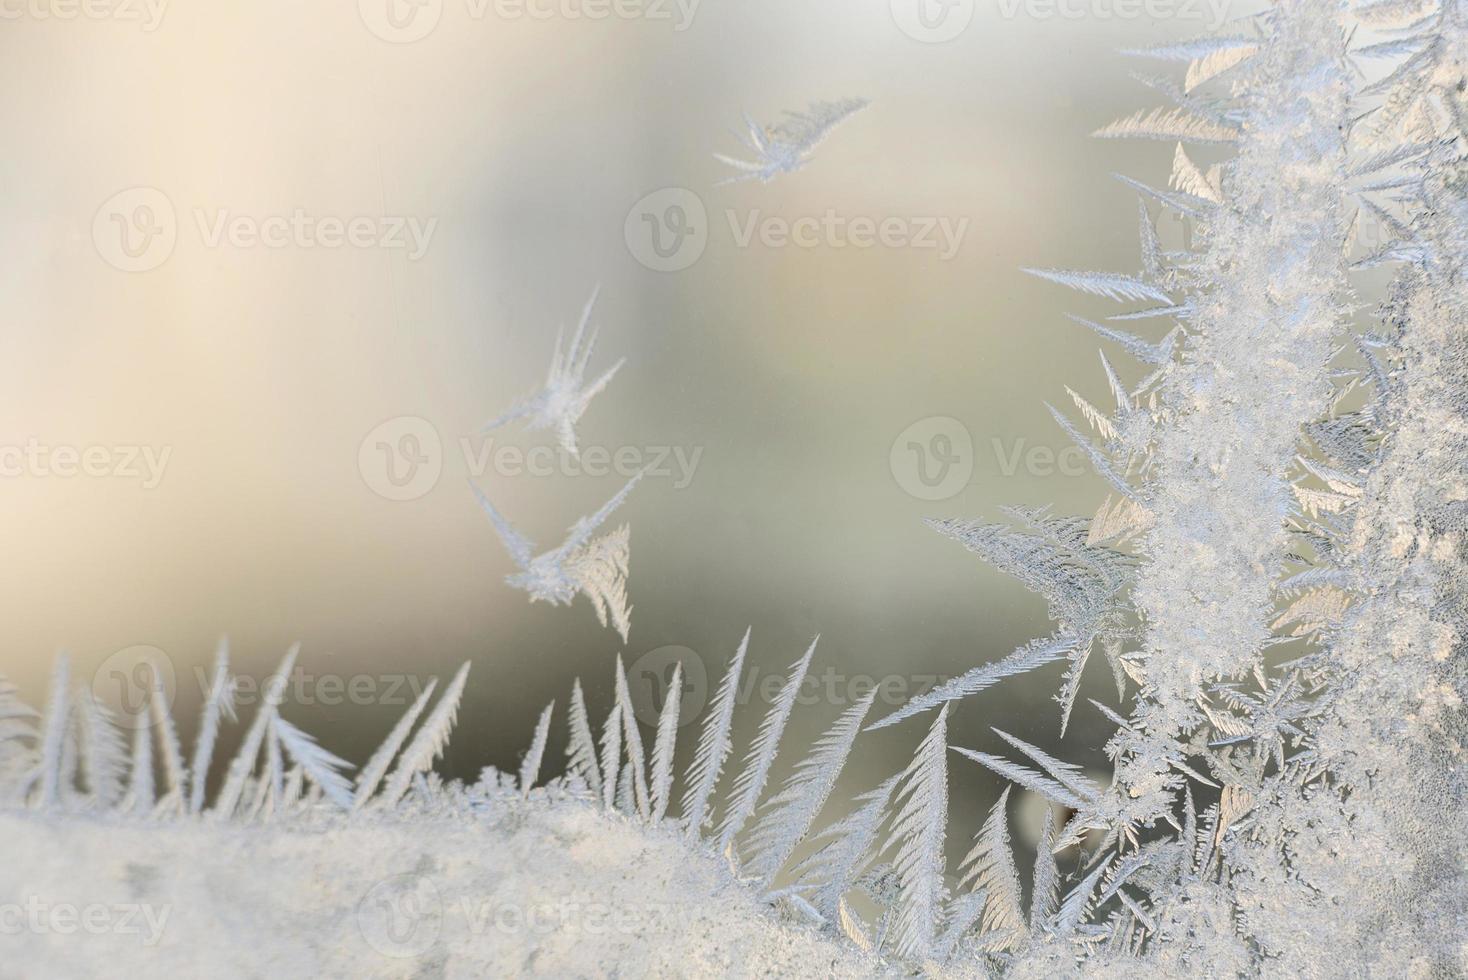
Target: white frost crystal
[596, 567]
[565, 396]
[786, 146]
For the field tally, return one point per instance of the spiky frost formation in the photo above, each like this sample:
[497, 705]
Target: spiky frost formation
[713, 746]
[598, 568]
[599, 571]
[530, 766]
[218, 705]
[1269, 301]
[53, 736]
[371, 775]
[786, 146]
[1268, 511]
[1390, 739]
[664, 745]
[751, 780]
[789, 815]
[564, 398]
[430, 741]
[103, 751]
[918, 829]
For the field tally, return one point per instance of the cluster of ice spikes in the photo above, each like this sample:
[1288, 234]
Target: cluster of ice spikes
[596, 568]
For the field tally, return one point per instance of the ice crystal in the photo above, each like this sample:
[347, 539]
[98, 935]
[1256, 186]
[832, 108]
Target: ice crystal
[786, 146]
[595, 567]
[565, 396]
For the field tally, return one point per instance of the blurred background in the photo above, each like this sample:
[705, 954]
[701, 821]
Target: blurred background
[207, 430]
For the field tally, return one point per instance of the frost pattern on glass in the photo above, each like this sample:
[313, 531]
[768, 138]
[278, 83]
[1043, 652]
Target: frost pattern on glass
[595, 567]
[786, 146]
[1275, 581]
[564, 398]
